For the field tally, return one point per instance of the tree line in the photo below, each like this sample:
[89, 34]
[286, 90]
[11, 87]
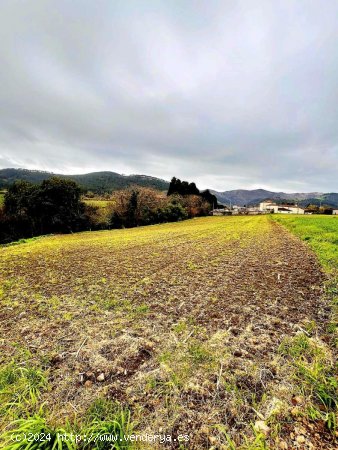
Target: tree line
[57, 206]
[184, 188]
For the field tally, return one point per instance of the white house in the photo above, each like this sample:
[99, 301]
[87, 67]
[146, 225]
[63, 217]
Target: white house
[265, 206]
[335, 211]
[269, 206]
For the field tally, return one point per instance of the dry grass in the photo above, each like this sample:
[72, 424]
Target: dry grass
[184, 320]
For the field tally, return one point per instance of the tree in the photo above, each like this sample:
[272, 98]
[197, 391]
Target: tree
[18, 199]
[145, 206]
[17, 220]
[179, 187]
[56, 206]
[148, 201]
[195, 205]
[183, 188]
[174, 186]
[172, 212]
[131, 219]
[53, 206]
[210, 198]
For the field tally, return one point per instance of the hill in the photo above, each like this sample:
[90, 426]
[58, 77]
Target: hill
[251, 197]
[102, 182]
[98, 182]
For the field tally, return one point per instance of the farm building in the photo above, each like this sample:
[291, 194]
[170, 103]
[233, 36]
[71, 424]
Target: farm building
[280, 209]
[253, 210]
[220, 212]
[238, 209]
[235, 211]
[335, 212]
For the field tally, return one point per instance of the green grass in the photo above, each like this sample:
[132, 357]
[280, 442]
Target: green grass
[105, 420]
[98, 203]
[2, 198]
[34, 433]
[312, 360]
[314, 372]
[20, 388]
[103, 208]
[320, 233]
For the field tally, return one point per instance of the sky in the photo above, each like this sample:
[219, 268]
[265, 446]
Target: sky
[229, 94]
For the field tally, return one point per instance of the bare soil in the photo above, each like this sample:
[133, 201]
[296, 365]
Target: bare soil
[184, 325]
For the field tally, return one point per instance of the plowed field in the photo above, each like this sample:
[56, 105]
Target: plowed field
[182, 321]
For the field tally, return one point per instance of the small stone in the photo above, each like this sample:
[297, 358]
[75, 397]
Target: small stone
[235, 331]
[300, 439]
[57, 358]
[205, 429]
[88, 383]
[262, 427]
[297, 400]
[238, 353]
[100, 377]
[294, 412]
[283, 445]
[212, 440]
[300, 430]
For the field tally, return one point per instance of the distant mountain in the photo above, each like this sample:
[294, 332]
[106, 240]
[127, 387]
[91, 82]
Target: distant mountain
[98, 182]
[101, 182]
[253, 197]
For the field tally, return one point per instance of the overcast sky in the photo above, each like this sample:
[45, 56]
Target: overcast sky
[230, 94]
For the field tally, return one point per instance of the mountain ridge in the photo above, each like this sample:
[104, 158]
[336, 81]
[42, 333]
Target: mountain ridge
[108, 181]
[98, 182]
[248, 197]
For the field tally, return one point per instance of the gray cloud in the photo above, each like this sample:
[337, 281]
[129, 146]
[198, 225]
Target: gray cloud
[229, 94]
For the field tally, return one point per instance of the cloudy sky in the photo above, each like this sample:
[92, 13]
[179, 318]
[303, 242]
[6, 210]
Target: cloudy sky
[230, 94]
